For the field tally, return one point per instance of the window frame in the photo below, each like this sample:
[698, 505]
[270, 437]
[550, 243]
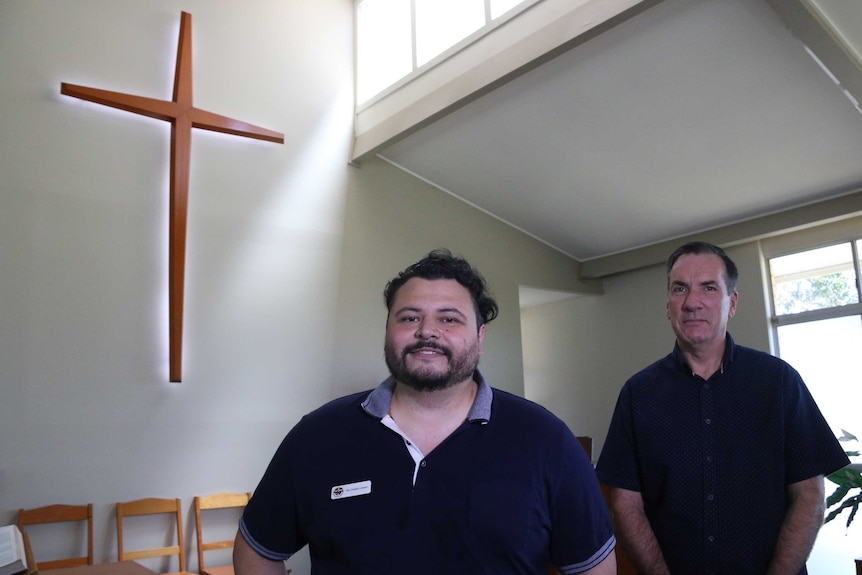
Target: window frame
[779, 320]
[417, 71]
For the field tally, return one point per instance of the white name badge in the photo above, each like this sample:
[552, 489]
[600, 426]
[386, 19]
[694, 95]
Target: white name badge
[350, 490]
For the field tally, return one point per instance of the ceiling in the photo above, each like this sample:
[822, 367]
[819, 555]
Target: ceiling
[688, 116]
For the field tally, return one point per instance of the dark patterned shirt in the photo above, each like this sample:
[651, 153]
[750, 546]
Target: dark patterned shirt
[713, 458]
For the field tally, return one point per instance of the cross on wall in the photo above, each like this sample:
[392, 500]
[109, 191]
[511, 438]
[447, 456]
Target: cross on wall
[183, 116]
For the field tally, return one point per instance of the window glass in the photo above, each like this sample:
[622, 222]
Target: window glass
[826, 354]
[384, 45]
[500, 7]
[395, 37]
[815, 279]
[440, 24]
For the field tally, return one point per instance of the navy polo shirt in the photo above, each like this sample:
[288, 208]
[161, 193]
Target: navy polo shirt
[713, 458]
[510, 491]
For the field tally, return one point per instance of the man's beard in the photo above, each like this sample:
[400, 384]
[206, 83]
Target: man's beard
[427, 378]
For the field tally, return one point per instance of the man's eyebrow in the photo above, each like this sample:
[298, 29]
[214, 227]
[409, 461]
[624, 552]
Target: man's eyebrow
[416, 309]
[703, 283]
[454, 310]
[406, 308]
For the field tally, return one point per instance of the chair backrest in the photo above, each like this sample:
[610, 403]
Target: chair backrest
[217, 501]
[60, 514]
[151, 506]
[587, 443]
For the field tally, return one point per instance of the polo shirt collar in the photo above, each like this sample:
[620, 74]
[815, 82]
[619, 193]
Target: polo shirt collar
[378, 401]
[729, 349]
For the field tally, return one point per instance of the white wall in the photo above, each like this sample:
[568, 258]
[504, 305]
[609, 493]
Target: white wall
[579, 352]
[288, 251]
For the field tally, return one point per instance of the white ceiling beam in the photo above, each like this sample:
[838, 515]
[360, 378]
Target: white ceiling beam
[832, 30]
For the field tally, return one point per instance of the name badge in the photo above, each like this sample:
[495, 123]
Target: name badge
[350, 490]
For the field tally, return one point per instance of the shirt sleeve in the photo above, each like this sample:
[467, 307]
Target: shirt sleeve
[811, 448]
[582, 535]
[617, 464]
[269, 523]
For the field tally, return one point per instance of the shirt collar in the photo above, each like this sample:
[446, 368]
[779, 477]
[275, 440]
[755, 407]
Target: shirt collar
[729, 348]
[378, 401]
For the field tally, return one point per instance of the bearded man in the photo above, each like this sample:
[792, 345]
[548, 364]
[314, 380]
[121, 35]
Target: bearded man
[433, 471]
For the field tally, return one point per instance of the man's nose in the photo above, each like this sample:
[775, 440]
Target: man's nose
[691, 301]
[426, 330]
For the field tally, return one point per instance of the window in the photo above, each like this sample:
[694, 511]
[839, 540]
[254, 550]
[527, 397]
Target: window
[395, 38]
[817, 323]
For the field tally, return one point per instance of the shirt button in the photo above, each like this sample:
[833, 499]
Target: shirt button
[423, 464]
[708, 421]
[710, 539]
[709, 458]
[710, 497]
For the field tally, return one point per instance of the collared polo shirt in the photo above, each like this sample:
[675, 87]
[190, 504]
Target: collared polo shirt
[713, 458]
[509, 492]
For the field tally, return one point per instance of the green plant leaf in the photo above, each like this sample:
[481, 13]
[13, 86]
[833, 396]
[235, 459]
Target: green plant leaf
[837, 495]
[847, 436]
[851, 503]
[846, 479]
[846, 476]
[852, 512]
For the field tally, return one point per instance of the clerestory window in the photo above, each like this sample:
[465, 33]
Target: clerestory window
[396, 39]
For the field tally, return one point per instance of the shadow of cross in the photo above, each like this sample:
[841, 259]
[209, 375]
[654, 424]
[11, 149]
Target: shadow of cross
[183, 116]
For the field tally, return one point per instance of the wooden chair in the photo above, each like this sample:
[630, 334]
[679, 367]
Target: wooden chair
[587, 443]
[152, 506]
[217, 501]
[60, 514]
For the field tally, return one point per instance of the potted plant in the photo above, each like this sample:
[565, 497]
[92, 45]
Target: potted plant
[848, 479]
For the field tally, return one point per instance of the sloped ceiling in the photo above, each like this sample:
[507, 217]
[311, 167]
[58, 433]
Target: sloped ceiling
[691, 116]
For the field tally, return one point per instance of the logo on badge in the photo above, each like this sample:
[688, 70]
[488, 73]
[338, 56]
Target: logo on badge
[350, 490]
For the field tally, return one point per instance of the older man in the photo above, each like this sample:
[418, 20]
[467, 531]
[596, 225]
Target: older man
[716, 453]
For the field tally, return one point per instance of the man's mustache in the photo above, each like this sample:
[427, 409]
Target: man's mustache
[426, 345]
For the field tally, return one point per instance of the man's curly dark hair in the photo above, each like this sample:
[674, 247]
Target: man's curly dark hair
[440, 264]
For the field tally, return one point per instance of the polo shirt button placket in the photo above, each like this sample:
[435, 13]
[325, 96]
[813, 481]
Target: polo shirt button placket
[709, 568]
[709, 477]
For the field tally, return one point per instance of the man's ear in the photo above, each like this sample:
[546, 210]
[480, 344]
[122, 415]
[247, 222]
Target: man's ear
[734, 297]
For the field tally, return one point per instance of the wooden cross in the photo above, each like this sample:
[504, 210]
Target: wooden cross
[183, 116]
